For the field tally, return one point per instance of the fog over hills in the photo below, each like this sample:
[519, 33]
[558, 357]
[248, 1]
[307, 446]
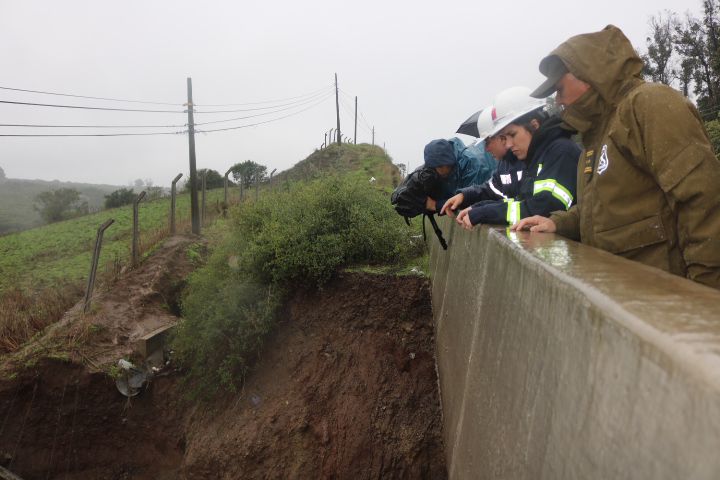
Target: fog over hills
[17, 198]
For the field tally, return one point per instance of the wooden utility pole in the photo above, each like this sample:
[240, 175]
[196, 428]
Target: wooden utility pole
[373, 136]
[355, 136]
[194, 213]
[337, 110]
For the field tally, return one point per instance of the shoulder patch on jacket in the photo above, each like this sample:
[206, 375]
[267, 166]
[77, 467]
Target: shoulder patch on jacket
[604, 161]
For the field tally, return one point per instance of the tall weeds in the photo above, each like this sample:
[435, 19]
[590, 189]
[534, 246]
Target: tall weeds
[23, 314]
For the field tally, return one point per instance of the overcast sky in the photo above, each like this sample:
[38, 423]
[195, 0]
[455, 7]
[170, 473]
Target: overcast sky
[418, 68]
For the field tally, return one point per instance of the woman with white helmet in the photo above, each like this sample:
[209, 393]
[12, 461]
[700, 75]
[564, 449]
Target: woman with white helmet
[548, 181]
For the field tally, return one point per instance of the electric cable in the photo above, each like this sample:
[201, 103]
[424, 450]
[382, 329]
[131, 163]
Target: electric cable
[86, 96]
[246, 109]
[347, 109]
[264, 113]
[82, 107]
[351, 98]
[266, 121]
[159, 126]
[88, 134]
[263, 101]
[34, 125]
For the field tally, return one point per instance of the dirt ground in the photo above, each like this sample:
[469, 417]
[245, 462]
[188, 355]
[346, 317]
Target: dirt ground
[345, 388]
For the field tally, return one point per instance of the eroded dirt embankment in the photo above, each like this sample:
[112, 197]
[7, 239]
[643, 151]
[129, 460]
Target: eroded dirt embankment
[345, 388]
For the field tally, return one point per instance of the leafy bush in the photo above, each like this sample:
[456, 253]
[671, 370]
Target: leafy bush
[120, 197]
[301, 235]
[227, 316]
[306, 233]
[713, 129]
[60, 204]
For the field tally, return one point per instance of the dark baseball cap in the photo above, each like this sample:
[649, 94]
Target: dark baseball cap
[553, 68]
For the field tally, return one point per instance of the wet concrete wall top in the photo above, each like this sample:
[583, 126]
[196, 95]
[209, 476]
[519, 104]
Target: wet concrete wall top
[557, 360]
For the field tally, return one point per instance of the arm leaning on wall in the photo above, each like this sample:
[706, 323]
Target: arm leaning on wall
[553, 189]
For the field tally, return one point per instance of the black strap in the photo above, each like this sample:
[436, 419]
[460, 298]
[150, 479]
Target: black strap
[438, 232]
[436, 229]
[423, 222]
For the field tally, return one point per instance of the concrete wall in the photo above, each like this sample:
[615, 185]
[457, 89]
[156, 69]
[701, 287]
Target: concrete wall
[559, 361]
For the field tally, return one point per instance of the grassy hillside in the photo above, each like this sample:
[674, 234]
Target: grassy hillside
[61, 252]
[43, 270]
[17, 196]
[361, 162]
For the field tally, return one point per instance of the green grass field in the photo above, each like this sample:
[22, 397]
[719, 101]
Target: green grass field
[43, 271]
[61, 252]
[17, 198]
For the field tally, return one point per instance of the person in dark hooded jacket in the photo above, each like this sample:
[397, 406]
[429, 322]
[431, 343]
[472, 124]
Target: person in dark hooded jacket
[648, 178]
[458, 166]
[547, 183]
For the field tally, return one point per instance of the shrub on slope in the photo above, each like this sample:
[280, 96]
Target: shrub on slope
[301, 235]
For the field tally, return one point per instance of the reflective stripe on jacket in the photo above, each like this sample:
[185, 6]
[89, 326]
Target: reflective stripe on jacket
[548, 182]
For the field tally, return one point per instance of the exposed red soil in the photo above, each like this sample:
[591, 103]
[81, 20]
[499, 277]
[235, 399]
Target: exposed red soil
[345, 388]
[60, 421]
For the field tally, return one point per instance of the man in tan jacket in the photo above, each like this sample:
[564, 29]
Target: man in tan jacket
[648, 181]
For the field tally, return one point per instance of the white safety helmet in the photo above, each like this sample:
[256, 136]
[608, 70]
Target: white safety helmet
[485, 123]
[509, 105]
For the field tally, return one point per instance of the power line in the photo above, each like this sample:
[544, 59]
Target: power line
[264, 113]
[89, 97]
[264, 101]
[367, 124]
[350, 97]
[29, 125]
[266, 121]
[89, 108]
[346, 109]
[352, 115]
[89, 134]
[251, 109]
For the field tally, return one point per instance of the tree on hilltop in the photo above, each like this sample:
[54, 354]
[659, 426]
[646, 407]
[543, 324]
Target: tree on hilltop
[2, 175]
[248, 172]
[60, 204]
[213, 179]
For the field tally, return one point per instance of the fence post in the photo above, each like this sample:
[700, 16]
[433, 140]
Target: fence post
[226, 185]
[257, 185]
[271, 179]
[173, 194]
[136, 228]
[202, 211]
[94, 264]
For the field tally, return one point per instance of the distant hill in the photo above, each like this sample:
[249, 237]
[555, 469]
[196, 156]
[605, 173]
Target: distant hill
[17, 197]
[364, 161]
